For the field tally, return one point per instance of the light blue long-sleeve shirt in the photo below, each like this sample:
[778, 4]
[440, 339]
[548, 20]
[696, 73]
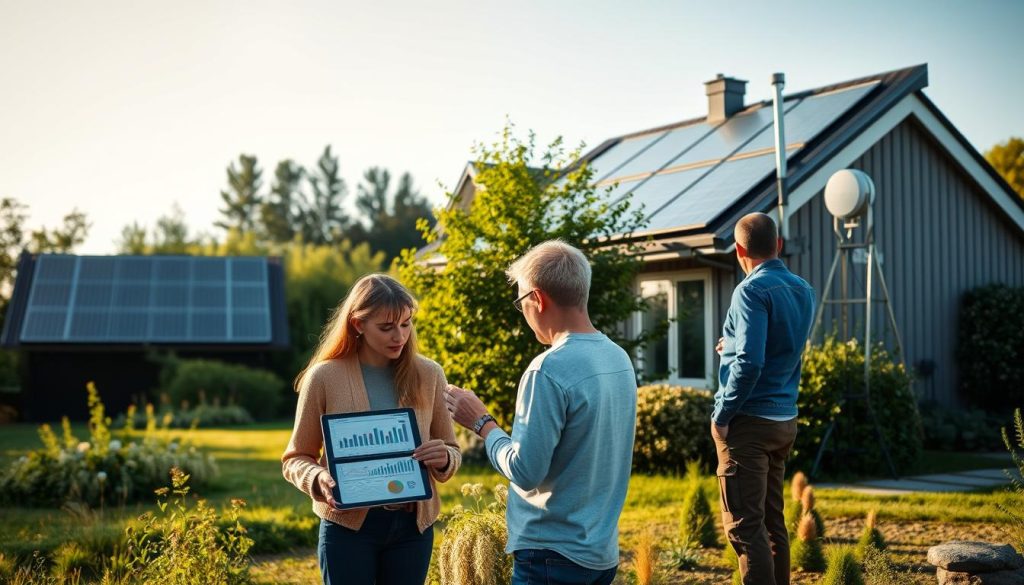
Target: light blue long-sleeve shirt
[571, 450]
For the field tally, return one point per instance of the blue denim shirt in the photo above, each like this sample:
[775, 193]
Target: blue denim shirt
[765, 331]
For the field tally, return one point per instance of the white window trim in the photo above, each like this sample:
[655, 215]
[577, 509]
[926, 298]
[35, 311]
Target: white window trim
[674, 277]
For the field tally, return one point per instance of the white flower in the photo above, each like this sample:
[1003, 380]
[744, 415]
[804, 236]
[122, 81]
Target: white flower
[102, 476]
[83, 446]
[115, 445]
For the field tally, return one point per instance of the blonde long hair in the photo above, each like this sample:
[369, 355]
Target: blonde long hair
[371, 294]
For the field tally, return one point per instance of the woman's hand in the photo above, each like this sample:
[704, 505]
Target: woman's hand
[322, 488]
[433, 453]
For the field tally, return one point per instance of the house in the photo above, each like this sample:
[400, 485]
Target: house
[945, 221]
[76, 319]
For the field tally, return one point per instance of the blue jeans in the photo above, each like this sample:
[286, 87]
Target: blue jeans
[388, 550]
[546, 567]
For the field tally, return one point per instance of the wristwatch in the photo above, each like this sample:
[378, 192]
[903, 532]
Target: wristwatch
[480, 422]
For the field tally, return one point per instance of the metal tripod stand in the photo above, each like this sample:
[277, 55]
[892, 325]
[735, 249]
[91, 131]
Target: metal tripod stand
[845, 248]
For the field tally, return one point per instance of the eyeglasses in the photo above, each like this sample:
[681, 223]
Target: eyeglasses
[518, 303]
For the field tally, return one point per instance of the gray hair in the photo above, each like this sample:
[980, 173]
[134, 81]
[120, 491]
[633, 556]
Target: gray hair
[558, 269]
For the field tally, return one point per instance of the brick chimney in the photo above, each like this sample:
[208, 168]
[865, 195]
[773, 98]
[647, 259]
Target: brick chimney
[725, 97]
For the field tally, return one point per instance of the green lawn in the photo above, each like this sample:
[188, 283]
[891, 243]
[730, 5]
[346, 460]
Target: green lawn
[280, 518]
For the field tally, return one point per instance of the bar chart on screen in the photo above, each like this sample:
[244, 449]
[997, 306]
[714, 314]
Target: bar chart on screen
[375, 434]
[379, 480]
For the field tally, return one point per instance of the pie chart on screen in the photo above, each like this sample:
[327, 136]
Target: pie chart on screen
[395, 487]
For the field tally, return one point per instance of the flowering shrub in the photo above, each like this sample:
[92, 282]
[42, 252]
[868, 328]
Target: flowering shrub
[112, 468]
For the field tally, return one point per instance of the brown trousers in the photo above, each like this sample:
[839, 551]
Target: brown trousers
[751, 469]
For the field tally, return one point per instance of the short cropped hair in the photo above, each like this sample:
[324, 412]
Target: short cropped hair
[757, 233]
[558, 269]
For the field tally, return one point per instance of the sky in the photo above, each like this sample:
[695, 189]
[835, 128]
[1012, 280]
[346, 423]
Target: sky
[122, 109]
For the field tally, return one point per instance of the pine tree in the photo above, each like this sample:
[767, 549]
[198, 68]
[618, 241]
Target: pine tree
[283, 214]
[242, 199]
[325, 220]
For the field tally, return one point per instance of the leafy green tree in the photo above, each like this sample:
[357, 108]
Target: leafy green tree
[391, 217]
[171, 235]
[283, 214]
[325, 220]
[1008, 159]
[61, 240]
[242, 199]
[317, 277]
[466, 320]
[12, 240]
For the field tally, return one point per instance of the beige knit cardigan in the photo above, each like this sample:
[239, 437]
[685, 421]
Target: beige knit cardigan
[336, 386]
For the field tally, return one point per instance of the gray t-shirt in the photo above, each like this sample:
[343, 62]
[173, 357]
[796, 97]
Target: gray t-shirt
[380, 386]
[569, 456]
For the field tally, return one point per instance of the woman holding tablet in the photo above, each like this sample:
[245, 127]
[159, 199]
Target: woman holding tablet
[366, 360]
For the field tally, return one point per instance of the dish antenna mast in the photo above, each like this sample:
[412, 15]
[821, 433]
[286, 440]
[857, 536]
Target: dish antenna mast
[849, 197]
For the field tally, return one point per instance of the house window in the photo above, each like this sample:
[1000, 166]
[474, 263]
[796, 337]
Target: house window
[683, 356]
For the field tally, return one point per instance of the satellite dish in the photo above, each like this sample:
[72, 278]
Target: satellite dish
[848, 193]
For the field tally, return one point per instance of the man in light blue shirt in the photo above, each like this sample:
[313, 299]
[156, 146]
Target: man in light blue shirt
[569, 456]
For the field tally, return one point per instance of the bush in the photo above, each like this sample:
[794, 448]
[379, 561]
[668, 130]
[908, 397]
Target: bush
[829, 372]
[183, 543]
[201, 416]
[990, 347]
[806, 552]
[673, 426]
[959, 429]
[193, 381]
[842, 567]
[871, 537]
[697, 526]
[473, 542]
[879, 569]
[104, 469]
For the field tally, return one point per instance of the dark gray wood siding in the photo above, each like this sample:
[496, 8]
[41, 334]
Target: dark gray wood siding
[939, 236]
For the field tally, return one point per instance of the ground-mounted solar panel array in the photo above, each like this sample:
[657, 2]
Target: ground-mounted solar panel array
[148, 299]
[684, 177]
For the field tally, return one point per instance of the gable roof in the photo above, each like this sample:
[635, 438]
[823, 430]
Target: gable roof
[695, 179]
[65, 301]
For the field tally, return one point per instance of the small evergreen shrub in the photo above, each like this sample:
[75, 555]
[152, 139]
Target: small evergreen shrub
[843, 568]
[879, 569]
[193, 381]
[673, 426]
[990, 347]
[107, 469]
[870, 537]
[807, 504]
[473, 542]
[806, 553]
[697, 526]
[829, 372]
[795, 508]
[1014, 527]
[183, 542]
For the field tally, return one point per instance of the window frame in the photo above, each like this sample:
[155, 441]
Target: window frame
[674, 278]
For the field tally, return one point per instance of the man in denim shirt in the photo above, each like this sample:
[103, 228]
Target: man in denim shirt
[754, 421]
